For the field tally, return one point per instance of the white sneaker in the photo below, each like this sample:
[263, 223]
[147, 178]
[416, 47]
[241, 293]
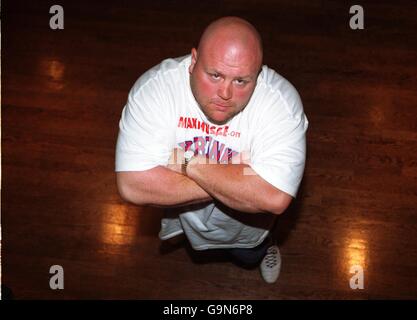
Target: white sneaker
[271, 264]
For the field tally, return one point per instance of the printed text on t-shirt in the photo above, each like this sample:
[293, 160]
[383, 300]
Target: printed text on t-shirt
[194, 123]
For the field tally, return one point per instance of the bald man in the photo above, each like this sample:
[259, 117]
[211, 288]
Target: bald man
[218, 140]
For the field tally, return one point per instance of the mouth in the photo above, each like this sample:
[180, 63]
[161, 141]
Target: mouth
[221, 107]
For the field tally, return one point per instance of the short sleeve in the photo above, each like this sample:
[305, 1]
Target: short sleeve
[145, 132]
[278, 149]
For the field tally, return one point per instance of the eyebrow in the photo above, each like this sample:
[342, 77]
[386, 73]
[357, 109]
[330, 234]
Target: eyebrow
[209, 70]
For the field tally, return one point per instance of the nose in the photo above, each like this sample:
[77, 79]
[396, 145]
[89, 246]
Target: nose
[225, 90]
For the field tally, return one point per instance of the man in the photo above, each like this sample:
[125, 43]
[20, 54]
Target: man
[218, 140]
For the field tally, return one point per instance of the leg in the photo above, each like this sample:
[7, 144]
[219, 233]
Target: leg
[253, 256]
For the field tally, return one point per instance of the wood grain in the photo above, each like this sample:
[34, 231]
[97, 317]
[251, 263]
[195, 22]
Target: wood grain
[62, 95]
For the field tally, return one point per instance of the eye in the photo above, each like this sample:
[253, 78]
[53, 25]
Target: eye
[215, 76]
[241, 82]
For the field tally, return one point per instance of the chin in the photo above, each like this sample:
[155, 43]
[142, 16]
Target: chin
[219, 120]
[215, 116]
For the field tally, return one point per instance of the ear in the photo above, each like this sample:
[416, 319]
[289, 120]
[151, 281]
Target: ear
[193, 60]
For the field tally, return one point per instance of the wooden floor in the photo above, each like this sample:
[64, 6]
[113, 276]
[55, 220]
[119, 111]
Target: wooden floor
[62, 96]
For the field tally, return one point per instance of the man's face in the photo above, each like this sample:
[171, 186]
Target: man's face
[223, 82]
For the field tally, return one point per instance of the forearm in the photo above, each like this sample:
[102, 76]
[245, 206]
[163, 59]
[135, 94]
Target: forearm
[177, 190]
[160, 187]
[230, 184]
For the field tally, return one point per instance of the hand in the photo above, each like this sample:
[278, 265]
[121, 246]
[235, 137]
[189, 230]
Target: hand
[244, 158]
[241, 158]
[176, 160]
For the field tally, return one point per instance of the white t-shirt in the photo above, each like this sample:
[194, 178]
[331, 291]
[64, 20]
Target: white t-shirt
[161, 113]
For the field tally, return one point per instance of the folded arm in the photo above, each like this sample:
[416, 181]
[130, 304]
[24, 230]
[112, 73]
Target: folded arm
[238, 186]
[235, 185]
[159, 187]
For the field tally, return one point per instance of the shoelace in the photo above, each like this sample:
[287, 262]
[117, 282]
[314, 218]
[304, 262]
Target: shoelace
[271, 258]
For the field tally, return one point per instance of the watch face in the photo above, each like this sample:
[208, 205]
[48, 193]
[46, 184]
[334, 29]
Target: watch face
[188, 154]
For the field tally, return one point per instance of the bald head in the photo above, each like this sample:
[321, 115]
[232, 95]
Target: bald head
[225, 67]
[232, 36]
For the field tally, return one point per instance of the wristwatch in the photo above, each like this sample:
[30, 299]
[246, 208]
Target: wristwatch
[188, 155]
